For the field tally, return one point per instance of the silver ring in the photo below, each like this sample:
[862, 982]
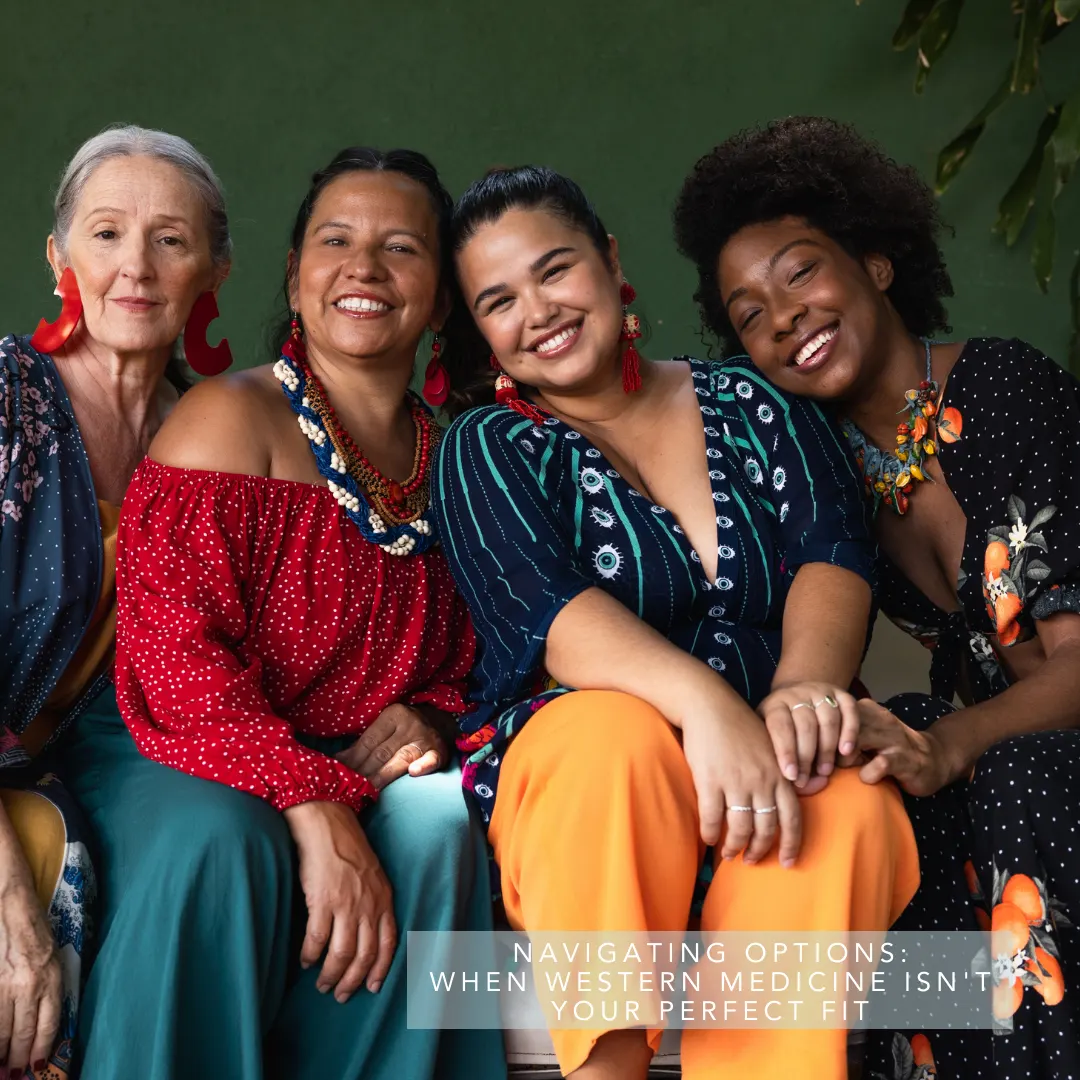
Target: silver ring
[741, 809]
[802, 705]
[829, 700]
[766, 810]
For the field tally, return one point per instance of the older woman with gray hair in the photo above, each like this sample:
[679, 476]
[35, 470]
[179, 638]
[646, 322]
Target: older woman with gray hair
[139, 246]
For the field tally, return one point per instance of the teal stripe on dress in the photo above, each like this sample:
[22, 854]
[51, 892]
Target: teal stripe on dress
[631, 533]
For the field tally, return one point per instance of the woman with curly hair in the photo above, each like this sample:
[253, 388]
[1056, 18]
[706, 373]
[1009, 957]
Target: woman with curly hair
[818, 256]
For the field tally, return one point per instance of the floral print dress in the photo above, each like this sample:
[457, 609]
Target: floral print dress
[1003, 847]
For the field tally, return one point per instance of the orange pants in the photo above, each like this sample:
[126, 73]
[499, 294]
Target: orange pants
[596, 828]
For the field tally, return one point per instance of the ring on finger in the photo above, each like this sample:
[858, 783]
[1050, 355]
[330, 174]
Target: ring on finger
[801, 705]
[765, 810]
[829, 700]
[740, 809]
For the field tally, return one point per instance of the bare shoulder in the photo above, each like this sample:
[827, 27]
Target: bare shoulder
[224, 424]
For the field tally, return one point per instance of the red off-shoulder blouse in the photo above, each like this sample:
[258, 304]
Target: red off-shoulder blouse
[251, 609]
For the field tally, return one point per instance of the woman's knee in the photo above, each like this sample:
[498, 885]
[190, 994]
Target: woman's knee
[847, 806]
[42, 834]
[427, 814]
[607, 731]
[1028, 768]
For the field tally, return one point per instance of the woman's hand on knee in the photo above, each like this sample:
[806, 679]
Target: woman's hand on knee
[349, 900]
[813, 727]
[401, 739]
[30, 979]
[742, 796]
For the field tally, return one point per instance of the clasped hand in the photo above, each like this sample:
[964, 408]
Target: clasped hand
[749, 776]
[401, 739]
[813, 727]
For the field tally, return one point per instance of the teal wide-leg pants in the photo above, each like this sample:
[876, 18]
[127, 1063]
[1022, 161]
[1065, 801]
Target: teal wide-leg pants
[196, 970]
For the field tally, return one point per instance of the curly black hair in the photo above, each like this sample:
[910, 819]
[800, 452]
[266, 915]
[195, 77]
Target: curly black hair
[846, 186]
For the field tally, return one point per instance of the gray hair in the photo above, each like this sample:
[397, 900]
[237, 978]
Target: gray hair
[127, 140]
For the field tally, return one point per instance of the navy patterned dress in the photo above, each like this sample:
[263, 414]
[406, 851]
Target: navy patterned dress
[51, 554]
[531, 516]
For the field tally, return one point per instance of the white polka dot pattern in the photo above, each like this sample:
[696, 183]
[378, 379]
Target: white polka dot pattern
[252, 609]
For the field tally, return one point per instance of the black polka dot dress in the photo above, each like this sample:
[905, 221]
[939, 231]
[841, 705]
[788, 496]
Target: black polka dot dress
[1004, 845]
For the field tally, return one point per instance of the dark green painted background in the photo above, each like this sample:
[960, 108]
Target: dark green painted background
[622, 96]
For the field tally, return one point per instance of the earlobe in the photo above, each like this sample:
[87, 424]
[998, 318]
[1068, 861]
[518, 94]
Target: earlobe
[52, 254]
[613, 257]
[292, 275]
[441, 312]
[220, 277]
[880, 269]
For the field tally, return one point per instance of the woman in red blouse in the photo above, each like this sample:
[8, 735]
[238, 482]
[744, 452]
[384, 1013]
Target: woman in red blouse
[289, 632]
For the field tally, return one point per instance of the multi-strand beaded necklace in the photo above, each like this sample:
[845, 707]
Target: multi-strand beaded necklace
[891, 475]
[396, 516]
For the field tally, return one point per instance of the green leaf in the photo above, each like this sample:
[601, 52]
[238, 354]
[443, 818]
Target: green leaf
[1026, 65]
[911, 23]
[1062, 153]
[934, 37]
[954, 157]
[1042, 517]
[1066, 139]
[1066, 10]
[1017, 202]
[1045, 238]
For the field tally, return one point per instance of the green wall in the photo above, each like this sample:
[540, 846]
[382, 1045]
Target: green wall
[622, 96]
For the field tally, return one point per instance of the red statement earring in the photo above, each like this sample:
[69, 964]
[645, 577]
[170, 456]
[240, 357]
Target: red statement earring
[631, 331]
[506, 393]
[204, 358]
[49, 336]
[436, 380]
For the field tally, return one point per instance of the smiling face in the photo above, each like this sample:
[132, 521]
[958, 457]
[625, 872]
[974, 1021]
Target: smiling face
[811, 317]
[140, 249]
[366, 283]
[546, 300]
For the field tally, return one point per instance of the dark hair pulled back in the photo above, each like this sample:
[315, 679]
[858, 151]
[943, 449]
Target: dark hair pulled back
[525, 187]
[415, 166]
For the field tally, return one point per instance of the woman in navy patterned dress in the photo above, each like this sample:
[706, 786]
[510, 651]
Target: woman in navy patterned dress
[818, 255]
[649, 552]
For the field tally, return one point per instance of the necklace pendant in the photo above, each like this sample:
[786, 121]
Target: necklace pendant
[393, 490]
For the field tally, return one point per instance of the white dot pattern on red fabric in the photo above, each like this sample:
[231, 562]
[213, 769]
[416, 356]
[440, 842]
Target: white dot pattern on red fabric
[251, 609]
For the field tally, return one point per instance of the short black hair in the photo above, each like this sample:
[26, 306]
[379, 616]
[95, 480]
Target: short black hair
[842, 184]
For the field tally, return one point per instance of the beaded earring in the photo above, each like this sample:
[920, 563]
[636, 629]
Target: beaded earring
[436, 380]
[506, 393]
[631, 331]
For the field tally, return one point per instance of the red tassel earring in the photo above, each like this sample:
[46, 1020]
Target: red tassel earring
[436, 380]
[204, 358]
[50, 336]
[506, 393]
[631, 331]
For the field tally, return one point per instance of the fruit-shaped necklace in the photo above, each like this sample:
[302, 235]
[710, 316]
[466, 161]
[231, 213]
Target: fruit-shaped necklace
[891, 475]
